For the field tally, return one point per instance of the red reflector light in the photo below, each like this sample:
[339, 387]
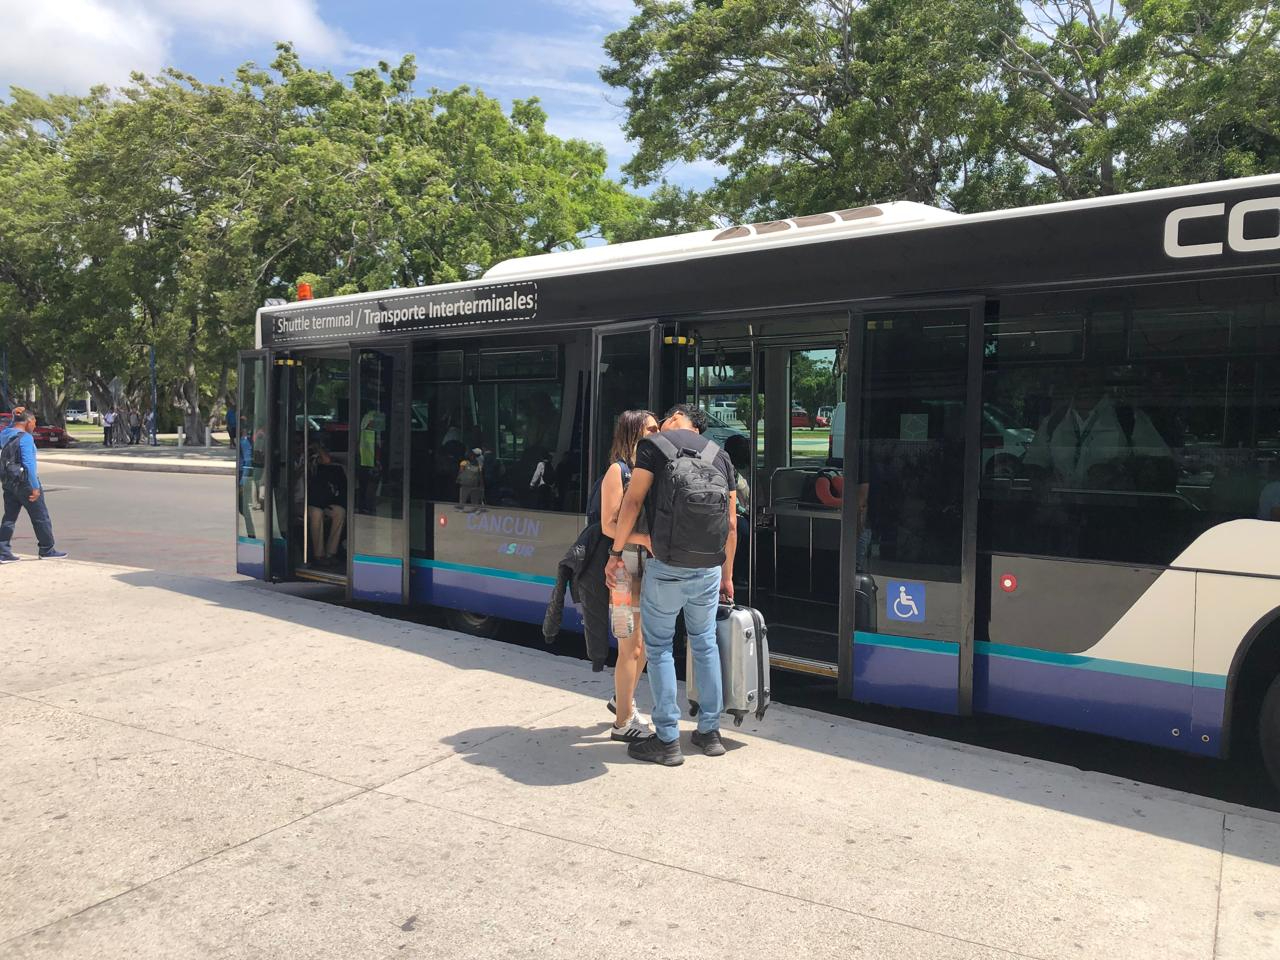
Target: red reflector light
[443, 521]
[1008, 582]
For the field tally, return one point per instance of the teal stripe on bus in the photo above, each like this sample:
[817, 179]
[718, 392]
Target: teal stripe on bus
[1211, 681]
[251, 541]
[485, 571]
[907, 643]
[1119, 667]
[385, 561]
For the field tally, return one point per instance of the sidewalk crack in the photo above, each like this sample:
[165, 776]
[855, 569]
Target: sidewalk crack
[1222, 859]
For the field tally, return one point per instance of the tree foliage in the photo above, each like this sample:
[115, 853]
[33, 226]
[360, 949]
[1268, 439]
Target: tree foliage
[164, 213]
[814, 105]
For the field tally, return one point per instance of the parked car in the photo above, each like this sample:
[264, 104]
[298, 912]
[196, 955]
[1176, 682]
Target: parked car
[78, 412]
[45, 435]
[823, 417]
[800, 417]
[719, 431]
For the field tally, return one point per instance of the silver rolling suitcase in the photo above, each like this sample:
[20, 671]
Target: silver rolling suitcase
[743, 640]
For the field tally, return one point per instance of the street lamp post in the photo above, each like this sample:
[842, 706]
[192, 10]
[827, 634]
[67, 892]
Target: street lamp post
[4, 376]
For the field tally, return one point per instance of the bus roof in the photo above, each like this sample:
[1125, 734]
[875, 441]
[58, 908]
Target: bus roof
[880, 218]
[1076, 240]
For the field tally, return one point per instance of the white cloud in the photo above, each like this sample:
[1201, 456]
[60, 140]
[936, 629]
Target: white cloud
[233, 22]
[521, 65]
[613, 12]
[69, 45]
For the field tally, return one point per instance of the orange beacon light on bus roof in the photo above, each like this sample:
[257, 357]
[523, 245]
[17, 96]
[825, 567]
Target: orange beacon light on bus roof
[304, 291]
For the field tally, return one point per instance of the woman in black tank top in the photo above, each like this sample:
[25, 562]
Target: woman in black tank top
[631, 427]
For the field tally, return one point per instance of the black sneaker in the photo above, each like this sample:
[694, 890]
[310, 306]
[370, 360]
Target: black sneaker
[657, 751]
[710, 742]
[54, 555]
[9, 558]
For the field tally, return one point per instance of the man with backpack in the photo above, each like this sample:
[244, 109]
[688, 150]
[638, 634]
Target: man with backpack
[22, 488]
[686, 484]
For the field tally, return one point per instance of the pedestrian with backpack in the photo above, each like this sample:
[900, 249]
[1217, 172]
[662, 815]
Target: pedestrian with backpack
[685, 483]
[21, 486]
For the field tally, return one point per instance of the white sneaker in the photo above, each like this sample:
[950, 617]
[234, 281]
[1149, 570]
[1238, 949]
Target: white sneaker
[613, 706]
[633, 731]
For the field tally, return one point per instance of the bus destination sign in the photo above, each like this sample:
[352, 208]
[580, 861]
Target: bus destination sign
[402, 313]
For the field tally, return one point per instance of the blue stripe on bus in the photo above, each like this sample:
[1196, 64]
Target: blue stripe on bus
[485, 571]
[906, 672]
[1118, 667]
[387, 561]
[907, 643]
[251, 541]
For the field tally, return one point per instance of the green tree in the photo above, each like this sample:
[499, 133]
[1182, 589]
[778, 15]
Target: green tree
[164, 213]
[969, 104]
[818, 105]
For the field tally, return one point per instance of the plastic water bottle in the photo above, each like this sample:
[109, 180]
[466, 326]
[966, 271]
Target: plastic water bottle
[621, 613]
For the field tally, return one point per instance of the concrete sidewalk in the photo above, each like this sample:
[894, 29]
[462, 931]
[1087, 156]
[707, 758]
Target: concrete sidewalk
[191, 768]
[215, 461]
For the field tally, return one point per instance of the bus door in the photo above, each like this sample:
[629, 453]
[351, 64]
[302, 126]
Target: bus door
[250, 442]
[626, 359]
[282, 474]
[911, 437]
[770, 401]
[379, 489]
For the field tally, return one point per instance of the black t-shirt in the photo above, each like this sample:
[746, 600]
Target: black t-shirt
[328, 486]
[649, 457]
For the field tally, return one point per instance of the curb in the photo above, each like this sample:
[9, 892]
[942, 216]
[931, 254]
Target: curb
[207, 468]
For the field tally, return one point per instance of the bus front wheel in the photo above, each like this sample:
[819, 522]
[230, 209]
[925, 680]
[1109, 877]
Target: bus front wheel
[476, 624]
[1269, 731]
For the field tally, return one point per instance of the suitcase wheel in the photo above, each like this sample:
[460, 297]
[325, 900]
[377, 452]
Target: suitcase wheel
[693, 708]
[737, 717]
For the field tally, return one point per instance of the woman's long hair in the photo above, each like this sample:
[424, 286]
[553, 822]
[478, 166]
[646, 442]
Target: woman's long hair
[628, 431]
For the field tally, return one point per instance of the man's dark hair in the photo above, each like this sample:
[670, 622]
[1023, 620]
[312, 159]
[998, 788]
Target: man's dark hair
[697, 416]
[22, 415]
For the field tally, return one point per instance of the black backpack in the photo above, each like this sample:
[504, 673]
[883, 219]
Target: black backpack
[13, 474]
[691, 525]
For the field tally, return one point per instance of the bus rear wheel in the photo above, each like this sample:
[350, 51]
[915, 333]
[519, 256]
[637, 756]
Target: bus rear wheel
[1269, 731]
[476, 624]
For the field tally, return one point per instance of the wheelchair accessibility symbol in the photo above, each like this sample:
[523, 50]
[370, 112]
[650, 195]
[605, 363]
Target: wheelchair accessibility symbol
[904, 600]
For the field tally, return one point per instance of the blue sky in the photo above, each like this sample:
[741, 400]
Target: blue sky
[511, 49]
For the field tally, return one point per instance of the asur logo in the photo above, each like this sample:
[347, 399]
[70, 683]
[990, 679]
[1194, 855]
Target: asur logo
[1234, 227]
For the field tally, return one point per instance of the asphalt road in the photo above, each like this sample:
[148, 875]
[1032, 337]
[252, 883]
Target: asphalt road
[158, 521]
[186, 524]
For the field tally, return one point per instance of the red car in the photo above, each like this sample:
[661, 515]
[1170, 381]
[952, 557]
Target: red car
[800, 417]
[45, 435]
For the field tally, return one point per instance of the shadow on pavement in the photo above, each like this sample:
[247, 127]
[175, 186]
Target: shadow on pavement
[585, 753]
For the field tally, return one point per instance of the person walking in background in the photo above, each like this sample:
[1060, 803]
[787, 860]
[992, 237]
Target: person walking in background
[685, 483]
[233, 421]
[631, 428]
[135, 427]
[108, 424]
[21, 485]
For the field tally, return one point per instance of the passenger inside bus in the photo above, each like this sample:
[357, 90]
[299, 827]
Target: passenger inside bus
[326, 504]
[738, 447]
[1101, 442]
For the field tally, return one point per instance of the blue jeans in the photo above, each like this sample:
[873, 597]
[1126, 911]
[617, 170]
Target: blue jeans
[664, 592]
[40, 522]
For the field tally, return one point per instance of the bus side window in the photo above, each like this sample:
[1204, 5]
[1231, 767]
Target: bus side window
[1114, 432]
